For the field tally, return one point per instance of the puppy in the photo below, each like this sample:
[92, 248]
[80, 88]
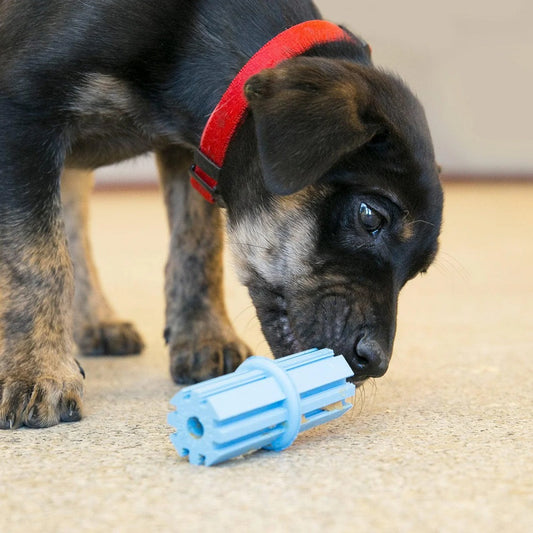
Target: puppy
[330, 185]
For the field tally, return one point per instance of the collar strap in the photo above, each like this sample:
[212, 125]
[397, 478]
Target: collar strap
[232, 107]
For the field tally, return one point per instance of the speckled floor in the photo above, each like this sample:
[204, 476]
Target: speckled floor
[442, 443]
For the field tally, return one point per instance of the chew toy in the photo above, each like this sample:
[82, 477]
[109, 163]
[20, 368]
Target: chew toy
[263, 404]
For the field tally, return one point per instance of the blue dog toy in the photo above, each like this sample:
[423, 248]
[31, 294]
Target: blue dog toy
[263, 404]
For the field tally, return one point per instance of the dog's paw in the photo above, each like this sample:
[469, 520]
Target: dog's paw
[110, 338]
[192, 361]
[43, 399]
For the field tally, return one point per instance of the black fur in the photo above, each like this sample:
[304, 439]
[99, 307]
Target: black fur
[84, 84]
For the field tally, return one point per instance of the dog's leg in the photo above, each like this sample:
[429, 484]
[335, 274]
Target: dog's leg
[97, 331]
[202, 341]
[40, 382]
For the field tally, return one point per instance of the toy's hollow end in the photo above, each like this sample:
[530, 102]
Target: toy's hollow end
[195, 427]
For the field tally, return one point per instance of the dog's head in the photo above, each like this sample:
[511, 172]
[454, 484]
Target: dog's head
[349, 208]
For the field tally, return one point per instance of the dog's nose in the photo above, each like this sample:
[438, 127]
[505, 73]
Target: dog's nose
[370, 359]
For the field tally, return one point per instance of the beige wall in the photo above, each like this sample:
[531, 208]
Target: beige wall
[470, 62]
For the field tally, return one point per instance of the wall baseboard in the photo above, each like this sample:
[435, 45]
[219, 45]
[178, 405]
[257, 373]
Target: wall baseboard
[123, 185]
[481, 177]
[149, 184]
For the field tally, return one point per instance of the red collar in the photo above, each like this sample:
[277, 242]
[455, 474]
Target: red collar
[232, 107]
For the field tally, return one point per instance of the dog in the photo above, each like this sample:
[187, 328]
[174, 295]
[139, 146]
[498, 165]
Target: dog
[331, 191]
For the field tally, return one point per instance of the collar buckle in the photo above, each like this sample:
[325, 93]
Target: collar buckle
[204, 175]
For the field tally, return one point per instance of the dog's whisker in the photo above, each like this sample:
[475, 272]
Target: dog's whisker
[361, 393]
[259, 347]
[250, 322]
[246, 309]
[448, 264]
[351, 400]
[413, 222]
[245, 244]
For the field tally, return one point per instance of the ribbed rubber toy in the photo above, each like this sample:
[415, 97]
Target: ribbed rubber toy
[263, 404]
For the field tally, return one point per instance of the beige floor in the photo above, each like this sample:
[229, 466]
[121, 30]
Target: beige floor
[442, 443]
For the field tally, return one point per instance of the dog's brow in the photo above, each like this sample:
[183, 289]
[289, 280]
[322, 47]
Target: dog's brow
[390, 196]
[406, 232]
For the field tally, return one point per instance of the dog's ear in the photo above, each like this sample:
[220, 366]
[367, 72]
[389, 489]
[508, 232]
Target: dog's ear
[308, 114]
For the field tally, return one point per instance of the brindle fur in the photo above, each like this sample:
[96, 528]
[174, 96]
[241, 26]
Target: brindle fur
[40, 382]
[97, 330]
[201, 339]
[84, 84]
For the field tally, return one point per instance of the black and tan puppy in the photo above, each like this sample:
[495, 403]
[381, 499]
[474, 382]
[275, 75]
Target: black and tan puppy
[330, 184]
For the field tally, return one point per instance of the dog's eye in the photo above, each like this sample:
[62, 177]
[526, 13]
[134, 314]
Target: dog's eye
[371, 220]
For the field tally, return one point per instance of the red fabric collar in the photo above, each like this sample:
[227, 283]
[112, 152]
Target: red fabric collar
[232, 107]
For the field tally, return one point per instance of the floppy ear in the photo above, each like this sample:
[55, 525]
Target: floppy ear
[307, 114]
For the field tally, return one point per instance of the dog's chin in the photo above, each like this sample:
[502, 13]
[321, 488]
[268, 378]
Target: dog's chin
[357, 381]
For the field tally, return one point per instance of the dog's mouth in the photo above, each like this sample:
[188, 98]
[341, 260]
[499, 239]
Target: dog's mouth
[291, 343]
[318, 321]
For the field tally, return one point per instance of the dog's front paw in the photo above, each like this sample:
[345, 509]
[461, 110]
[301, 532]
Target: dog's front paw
[194, 360]
[110, 338]
[41, 398]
